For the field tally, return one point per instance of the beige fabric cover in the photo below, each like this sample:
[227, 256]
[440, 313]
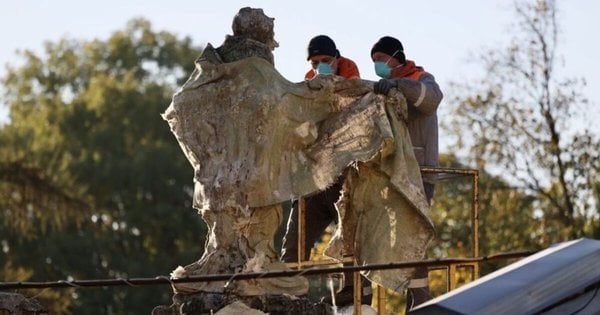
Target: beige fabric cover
[255, 139]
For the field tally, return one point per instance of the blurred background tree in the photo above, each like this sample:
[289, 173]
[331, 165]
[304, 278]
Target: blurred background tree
[538, 165]
[94, 185]
[92, 182]
[523, 119]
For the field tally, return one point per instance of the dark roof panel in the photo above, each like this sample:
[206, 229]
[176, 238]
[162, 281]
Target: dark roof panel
[540, 282]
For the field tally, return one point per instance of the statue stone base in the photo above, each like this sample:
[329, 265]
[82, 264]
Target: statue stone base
[13, 303]
[218, 303]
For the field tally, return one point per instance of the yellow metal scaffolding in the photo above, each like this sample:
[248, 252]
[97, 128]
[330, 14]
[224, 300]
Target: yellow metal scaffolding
[443, 174]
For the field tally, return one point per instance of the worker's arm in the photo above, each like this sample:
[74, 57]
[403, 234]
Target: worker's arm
[425, 94]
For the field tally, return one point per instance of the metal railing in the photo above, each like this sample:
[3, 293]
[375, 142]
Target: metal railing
[307, 268]
[134, 282]
[449, 173]
[443, 173]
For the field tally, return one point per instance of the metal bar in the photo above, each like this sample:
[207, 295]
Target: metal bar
[474, 204]
[357, 292]
[330, 262]
[257, 275]
[475, 222]
[452, 276]
[380, 300]
[449, 170]
[301, 237]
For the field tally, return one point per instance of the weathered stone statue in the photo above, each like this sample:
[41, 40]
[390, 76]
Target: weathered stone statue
[255, 140]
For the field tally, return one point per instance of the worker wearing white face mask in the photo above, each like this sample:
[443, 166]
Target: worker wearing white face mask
[325, 59]
[423, 96]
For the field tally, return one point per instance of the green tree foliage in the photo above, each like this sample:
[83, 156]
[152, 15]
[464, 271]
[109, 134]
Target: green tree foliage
[506, 221]
[505, 214]
[523, 124]
[92, 182]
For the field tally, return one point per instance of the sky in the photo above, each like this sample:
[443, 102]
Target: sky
[440, 35]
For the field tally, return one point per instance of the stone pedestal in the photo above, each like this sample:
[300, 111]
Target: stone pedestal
[17, 304]
[217, 303]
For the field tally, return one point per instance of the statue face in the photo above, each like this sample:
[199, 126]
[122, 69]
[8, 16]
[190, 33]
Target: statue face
[254, 24]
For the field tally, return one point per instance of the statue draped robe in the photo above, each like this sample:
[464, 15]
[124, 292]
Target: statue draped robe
[255, 140]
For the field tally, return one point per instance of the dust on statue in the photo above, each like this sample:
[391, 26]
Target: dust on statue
[255, 140]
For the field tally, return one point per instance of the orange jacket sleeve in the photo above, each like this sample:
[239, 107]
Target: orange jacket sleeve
[348, 69]
[310, 74]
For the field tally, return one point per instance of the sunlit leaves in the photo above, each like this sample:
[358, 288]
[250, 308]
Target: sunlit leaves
[92, 182]
[524, 120]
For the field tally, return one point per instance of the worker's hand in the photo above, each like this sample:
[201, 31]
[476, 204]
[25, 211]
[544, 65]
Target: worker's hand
[384, 86]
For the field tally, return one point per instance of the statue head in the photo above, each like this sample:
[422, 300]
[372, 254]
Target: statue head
[254, 24]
